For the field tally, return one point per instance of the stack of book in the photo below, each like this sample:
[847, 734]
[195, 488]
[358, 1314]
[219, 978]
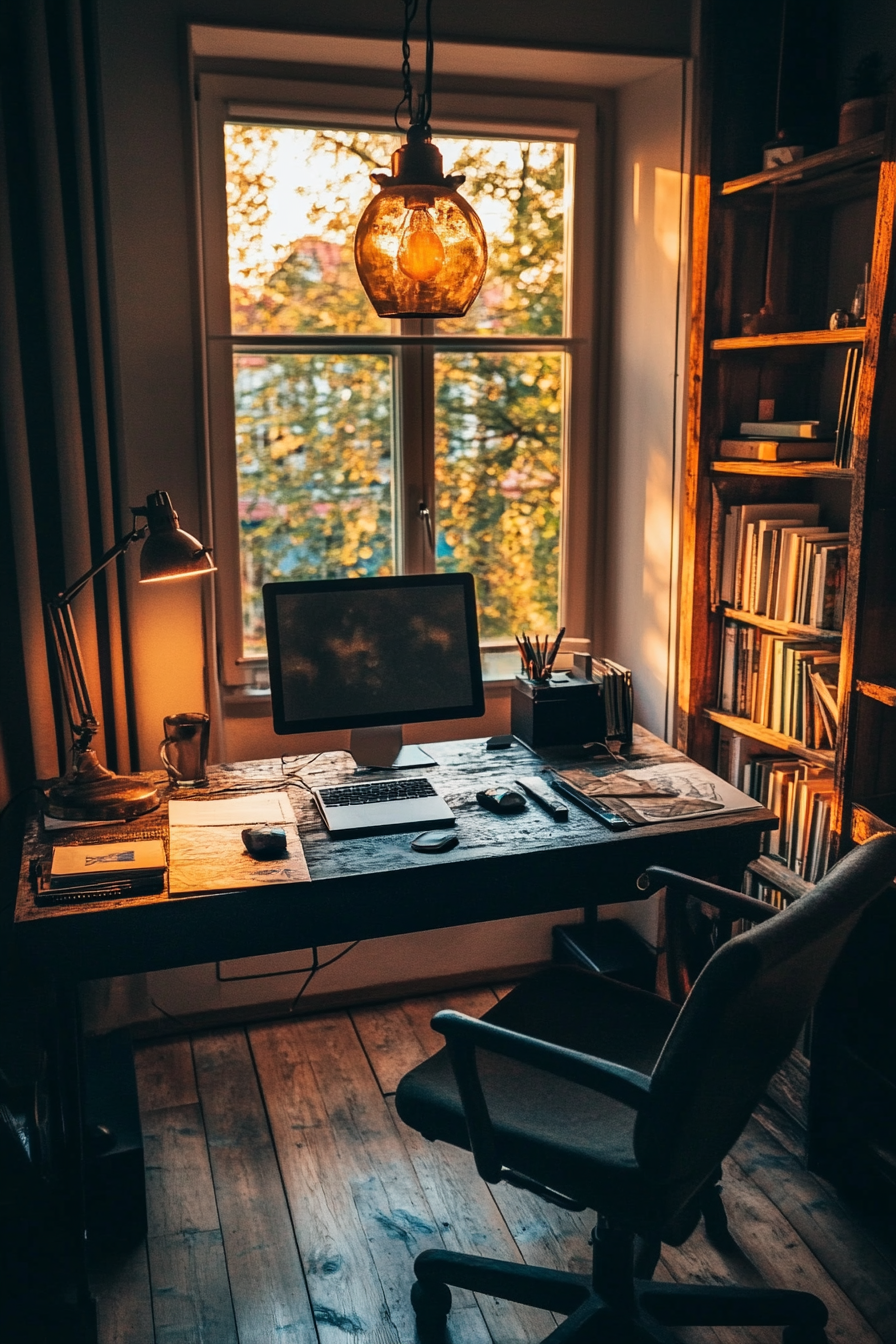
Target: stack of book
[779, 441]
[798, 792]
[618, 697]
[104, 872]
[788, 685]
[778, 562]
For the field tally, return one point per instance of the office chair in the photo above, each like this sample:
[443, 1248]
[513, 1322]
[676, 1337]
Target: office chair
[596, 1095]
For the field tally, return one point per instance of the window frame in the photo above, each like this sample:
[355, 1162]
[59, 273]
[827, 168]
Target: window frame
[222, 97]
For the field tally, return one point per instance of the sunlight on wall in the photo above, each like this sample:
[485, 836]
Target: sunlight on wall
[668, 186]
[657, 550]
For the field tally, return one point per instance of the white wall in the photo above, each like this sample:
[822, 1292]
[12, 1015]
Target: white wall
[643, 475]
[650, 320]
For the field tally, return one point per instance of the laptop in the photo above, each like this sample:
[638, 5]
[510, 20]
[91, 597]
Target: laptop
[381, 806]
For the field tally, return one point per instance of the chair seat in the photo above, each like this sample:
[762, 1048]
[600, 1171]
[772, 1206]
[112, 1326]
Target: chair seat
[591, 1158]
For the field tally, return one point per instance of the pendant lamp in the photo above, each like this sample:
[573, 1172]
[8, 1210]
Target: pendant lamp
[420, 249]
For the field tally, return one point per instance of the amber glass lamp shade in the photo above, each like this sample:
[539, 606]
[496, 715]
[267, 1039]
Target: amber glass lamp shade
[420, 249]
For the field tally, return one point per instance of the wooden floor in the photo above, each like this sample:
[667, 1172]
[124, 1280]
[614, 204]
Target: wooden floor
[287, 1202]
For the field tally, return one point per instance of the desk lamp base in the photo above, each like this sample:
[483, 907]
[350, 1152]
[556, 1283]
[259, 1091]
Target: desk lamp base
[90, 792]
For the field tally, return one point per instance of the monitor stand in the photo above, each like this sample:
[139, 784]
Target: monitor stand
[382, 749]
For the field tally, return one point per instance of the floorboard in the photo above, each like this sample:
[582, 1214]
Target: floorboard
[287, 1201]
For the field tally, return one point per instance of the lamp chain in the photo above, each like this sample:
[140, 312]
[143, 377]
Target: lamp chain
[419, 116]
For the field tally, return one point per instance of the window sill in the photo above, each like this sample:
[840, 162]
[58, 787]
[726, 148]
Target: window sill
[247, 703]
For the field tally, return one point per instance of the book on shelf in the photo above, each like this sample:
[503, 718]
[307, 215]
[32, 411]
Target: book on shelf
[786, 685]
[800, 794]
[780, 429]
[778, 450]
[776, 561]
[843, 440]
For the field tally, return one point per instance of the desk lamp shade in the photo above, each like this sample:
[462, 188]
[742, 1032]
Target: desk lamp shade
[89, 791]
[169, 552]
[420, 249]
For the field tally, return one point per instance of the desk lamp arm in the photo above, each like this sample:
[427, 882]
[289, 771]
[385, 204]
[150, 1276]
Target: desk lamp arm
[78, 705]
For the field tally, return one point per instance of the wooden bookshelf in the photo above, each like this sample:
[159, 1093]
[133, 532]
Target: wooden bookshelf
[760, 733]
[771, 340]
[833, 213]
[819, 471]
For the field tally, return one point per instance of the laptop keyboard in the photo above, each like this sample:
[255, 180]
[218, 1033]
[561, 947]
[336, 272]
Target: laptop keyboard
[378, 791]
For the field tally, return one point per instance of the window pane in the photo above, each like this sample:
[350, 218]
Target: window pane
[294, 198]
[521, 190]
[314, 472]
[499, 432]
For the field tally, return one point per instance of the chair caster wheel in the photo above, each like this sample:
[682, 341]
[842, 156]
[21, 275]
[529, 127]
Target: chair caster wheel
[431, 1303]
[804, 1334]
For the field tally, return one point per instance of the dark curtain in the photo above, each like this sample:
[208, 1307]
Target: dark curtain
[59, 506]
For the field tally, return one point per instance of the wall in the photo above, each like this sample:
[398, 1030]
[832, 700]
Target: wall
[644, 467]
[643, 471]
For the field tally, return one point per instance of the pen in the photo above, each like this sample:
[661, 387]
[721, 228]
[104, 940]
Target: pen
[538, 789]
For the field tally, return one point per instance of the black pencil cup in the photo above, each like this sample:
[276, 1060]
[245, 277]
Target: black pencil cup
[565, 711]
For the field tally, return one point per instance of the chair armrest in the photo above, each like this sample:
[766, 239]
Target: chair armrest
[464, 1035]
[733, 903]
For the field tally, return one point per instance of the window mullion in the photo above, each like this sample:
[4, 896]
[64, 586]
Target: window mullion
[415, 464]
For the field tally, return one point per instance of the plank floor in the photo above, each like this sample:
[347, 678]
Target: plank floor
[287, 1202]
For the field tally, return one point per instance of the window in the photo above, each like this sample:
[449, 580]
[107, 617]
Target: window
[345, 445]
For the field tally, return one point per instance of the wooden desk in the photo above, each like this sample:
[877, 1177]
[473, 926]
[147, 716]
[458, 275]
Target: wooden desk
[378, 886]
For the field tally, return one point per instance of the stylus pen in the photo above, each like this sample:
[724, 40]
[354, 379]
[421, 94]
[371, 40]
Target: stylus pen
[609, 818]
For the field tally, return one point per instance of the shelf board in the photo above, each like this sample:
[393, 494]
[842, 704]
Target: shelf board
[875, 691]
[826, 471]
[838, 159]
[770, 339]
[747, 728]
[876, 816]
[788, 629]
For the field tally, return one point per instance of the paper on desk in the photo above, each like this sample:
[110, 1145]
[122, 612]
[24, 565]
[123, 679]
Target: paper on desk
[214, 858]
[246, 809]
[669, 791]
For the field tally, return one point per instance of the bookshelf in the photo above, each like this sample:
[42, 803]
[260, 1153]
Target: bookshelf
[832, 212]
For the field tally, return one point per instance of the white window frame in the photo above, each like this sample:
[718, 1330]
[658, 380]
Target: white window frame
[307, 103]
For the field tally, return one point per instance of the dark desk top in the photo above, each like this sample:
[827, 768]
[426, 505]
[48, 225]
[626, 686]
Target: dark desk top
[377, 886]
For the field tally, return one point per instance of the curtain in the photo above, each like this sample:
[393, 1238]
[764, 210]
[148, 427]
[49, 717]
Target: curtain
[59, 505]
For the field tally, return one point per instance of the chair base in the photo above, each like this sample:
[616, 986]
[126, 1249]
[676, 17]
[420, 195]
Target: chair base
[639, 1313]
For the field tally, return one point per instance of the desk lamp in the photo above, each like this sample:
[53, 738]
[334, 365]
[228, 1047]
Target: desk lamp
[88, 791]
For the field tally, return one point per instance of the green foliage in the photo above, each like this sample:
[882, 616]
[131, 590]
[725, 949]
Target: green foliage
[314, 432]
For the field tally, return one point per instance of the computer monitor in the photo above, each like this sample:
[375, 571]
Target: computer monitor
[371, 655]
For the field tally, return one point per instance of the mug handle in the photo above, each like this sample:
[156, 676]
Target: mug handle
[173, 773]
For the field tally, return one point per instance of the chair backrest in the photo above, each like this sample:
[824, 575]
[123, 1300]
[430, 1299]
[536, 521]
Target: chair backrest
[742, 1019]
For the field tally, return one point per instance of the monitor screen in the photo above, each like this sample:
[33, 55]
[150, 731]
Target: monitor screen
[357, 653]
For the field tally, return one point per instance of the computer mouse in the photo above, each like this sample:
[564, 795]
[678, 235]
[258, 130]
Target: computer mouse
[502, 801]
[434, 842]
[265, 842]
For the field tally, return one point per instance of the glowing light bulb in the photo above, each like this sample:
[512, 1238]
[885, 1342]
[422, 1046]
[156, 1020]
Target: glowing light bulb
[421, 255]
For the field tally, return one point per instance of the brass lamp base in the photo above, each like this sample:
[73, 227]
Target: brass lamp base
[93, 793]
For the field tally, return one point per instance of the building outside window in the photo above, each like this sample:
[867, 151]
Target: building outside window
[343, 444]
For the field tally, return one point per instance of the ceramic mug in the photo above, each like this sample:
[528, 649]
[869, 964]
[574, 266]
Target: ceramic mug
[184, 749]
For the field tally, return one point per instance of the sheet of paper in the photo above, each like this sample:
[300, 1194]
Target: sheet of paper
[665, 792]
[245, 809]
[214, 858]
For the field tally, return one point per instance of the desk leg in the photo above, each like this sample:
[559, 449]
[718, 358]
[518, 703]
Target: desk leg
[69, 1066]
